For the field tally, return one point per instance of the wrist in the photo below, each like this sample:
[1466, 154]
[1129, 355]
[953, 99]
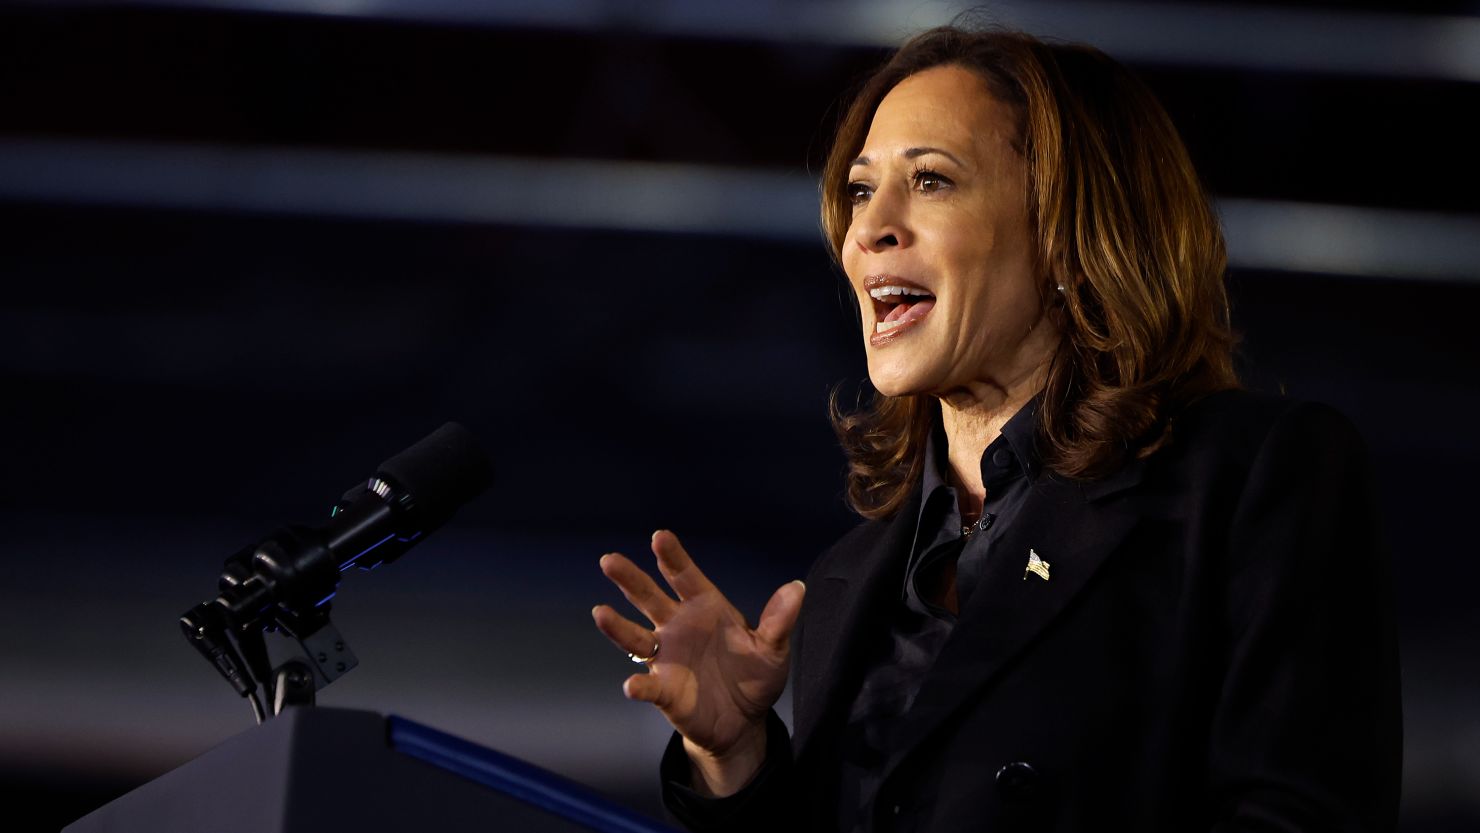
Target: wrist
[718, 775]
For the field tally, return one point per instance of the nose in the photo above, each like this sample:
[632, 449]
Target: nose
[882, 223]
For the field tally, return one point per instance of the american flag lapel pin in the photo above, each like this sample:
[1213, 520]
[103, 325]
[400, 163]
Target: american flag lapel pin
[1036, 565]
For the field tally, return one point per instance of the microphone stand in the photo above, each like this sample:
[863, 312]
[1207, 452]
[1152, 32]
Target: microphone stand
[285, 582]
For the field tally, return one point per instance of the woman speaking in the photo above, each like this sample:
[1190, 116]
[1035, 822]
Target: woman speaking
[1098, 586]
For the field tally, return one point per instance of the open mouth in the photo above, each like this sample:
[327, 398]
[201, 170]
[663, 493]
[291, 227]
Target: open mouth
[898, 304]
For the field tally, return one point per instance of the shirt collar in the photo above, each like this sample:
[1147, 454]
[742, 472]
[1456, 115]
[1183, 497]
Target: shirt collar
[1019, 433]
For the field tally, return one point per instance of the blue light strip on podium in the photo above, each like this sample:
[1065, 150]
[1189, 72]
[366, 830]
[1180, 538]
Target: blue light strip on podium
[516, 778]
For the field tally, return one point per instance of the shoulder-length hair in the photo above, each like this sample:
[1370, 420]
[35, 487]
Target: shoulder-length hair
[1121, 222]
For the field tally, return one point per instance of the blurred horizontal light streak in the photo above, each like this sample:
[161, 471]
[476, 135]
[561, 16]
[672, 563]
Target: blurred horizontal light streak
[516, 191]
[1266, 38]
[644, 197]
[1351, 240]
[1192, 34]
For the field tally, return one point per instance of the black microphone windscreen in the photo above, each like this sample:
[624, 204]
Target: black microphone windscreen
[441, 472]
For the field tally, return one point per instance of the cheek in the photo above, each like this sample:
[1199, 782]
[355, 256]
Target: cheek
[849, 259]
[992, 263]
[855, 283]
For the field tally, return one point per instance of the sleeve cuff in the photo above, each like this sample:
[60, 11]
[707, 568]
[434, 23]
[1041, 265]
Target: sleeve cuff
[760, 802]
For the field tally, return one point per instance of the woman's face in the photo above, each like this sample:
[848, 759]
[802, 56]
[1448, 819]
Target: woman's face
[939, 251]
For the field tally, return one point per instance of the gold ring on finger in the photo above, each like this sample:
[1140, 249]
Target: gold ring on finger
[649, 658]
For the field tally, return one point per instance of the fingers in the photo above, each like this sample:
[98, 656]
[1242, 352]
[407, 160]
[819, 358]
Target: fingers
[644, 687]
[676, 566]
[639, 588]
[631, 637]
[780, 615]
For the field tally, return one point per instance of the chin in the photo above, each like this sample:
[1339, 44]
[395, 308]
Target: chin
[890, 379]
[889, 390]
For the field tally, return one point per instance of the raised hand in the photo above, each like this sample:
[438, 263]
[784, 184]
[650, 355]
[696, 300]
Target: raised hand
[713, 677]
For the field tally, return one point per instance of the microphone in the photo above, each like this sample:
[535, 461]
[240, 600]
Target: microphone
[411, 494]
[286, 580]
[375, 523]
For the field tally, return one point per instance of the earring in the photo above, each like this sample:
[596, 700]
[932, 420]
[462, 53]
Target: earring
[1061, 287]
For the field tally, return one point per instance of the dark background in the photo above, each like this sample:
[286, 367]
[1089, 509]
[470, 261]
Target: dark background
[253, 247]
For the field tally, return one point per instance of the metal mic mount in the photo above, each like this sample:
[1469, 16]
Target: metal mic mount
[285, 583]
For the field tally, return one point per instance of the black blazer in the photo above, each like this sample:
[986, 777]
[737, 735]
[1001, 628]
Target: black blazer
[1214, 649]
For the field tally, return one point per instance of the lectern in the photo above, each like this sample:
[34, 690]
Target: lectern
[325, 770]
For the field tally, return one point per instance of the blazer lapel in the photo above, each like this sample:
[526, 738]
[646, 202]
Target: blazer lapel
[858, 586]
[1067, 527]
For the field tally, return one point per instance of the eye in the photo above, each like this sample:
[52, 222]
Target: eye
[929, 181]
[858, 193]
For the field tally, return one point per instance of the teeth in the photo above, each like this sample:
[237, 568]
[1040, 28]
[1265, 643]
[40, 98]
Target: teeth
[886, 326]
[885, 291]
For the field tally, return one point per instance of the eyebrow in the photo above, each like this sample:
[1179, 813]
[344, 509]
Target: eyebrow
[912, 153]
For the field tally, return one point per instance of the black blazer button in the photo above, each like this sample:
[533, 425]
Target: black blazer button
[1018, 781]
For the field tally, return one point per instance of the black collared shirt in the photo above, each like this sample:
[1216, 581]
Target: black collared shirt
[920, 627]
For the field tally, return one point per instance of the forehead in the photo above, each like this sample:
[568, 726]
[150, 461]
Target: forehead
[946, 106]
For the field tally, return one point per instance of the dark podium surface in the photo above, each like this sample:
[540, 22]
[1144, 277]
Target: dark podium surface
[326, 770]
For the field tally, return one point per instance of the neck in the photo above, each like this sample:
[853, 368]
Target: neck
[972, 418]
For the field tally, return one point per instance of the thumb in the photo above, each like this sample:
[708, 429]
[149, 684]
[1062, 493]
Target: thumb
[780, 615]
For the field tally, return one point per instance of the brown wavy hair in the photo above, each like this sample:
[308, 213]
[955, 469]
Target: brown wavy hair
[1121, 221]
